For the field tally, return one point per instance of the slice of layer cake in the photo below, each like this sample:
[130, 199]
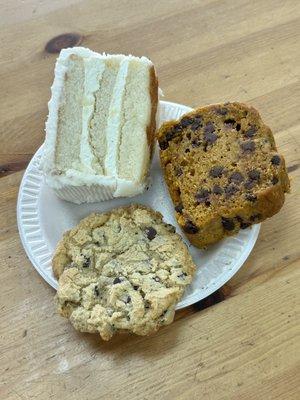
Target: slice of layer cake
[101, 124]
[223, 171]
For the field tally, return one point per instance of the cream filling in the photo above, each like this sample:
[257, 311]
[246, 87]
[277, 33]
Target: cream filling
[113, 130]
[128, 188]
[93, 71]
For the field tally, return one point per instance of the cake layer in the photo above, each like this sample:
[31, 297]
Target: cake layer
[67, 154]
[101, 121]
[137, 110]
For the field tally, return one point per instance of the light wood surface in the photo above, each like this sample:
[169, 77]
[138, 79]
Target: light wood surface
[243, 342]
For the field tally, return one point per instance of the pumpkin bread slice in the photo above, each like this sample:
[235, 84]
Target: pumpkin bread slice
[222, 169]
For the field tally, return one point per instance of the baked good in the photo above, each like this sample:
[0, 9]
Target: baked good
[101, 125]
[123, 270]
[222, 169]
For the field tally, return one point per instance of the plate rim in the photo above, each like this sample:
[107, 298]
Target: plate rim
[215, 285]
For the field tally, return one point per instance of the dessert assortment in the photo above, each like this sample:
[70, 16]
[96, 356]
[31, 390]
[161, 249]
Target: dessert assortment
[126, 269]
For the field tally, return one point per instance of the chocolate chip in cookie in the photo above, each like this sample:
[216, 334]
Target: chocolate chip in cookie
[86, 262]
[147, 304]
[170, 228]
[96, 290]
[150, 232]
[128, 300]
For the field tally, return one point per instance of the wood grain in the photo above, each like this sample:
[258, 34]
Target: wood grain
[243, 342]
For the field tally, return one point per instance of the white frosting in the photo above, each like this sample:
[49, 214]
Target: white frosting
[73, 177]
[121, 187]
[94, 67]
[113, 129]
[127, 188]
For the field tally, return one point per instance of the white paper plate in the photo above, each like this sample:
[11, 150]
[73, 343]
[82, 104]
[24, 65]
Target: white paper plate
[43, 217]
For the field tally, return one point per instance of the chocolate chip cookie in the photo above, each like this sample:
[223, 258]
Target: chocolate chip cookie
[222, 169]
[123, 270]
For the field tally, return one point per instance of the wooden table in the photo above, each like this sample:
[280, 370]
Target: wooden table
[242, 342]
